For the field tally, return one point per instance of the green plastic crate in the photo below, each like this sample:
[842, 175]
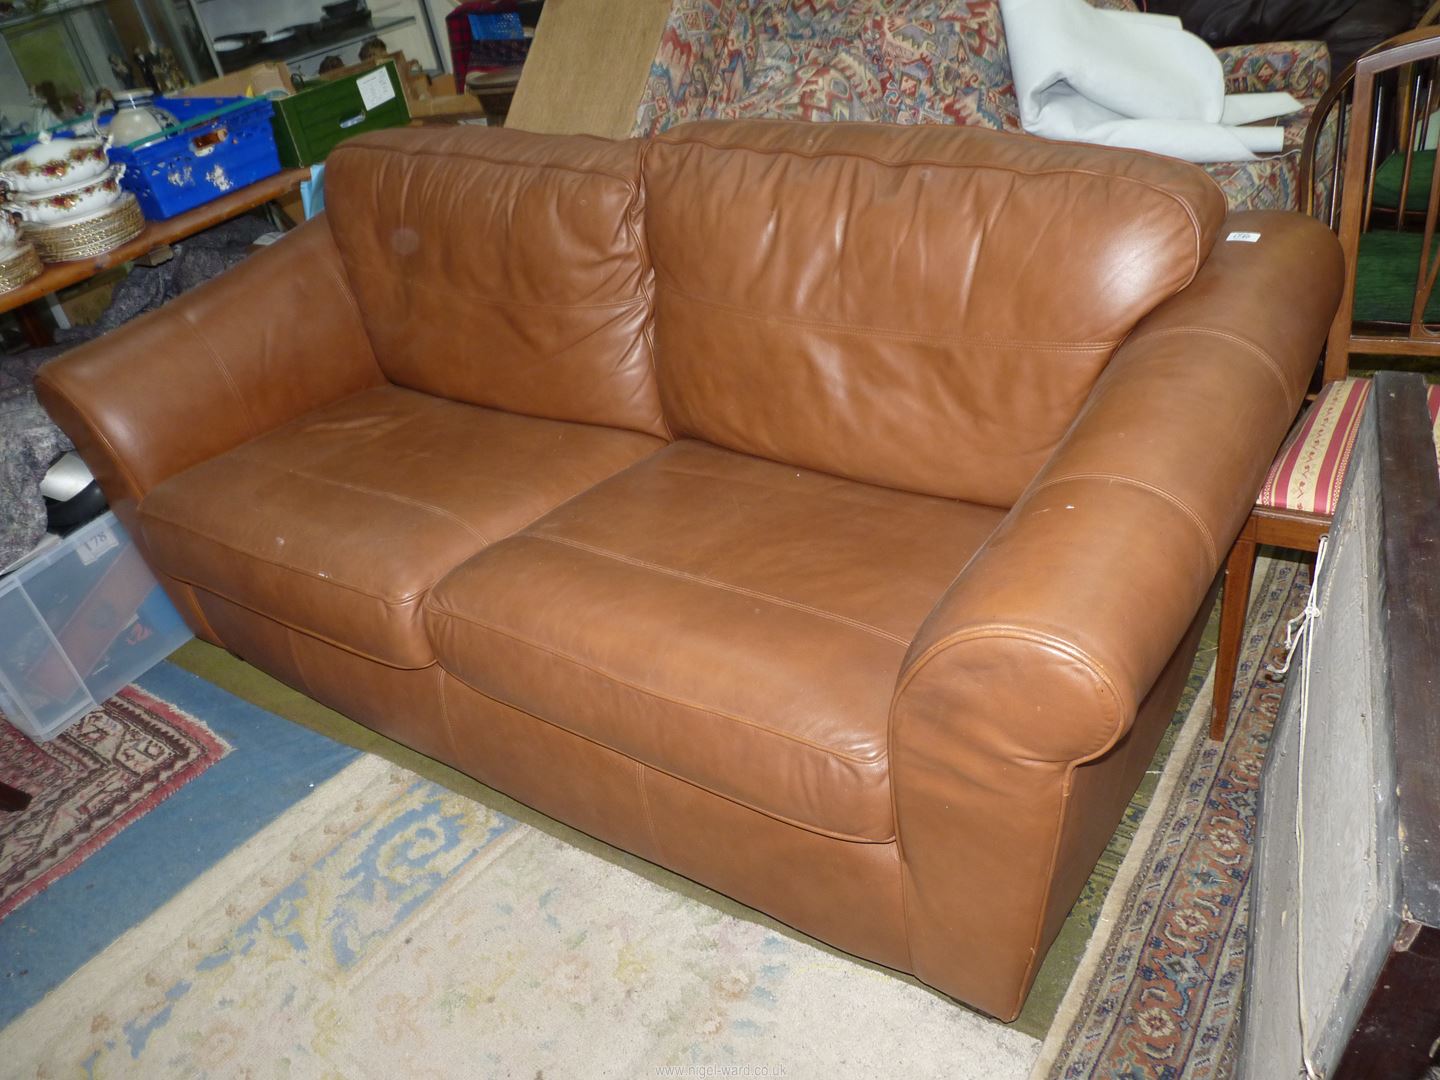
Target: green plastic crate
[309, 124]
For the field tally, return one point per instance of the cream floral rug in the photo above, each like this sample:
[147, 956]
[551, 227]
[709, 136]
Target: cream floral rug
[388, 927]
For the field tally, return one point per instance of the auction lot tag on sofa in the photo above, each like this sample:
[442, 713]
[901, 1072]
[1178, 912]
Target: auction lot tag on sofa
[1243, 238]
[375, 88]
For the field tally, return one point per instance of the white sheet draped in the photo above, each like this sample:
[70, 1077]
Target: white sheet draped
[1125, 79]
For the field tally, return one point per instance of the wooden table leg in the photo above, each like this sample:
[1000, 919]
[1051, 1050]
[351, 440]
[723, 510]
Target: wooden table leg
[37, 330]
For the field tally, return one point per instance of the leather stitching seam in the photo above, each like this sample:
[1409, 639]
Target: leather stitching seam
[888, 332]
[700, 579]
[509, 164]
[520, 639]
[120, 463]
[445, 722]
[362, 489]
[348, 293]
[290, 635]
[694, 140]
[199, 612]
[641, 772]
[1173, 500]
[224, 369]
[647, 276]
[1265, 358]
[839, 490]
[687, 781]
[315, 575]
[1093, 667]
[299, 630]
[388, 272]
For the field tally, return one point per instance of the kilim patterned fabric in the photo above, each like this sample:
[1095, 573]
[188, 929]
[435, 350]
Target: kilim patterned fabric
[110, 768]
[912, 62]
[915, 61]
[1310, 468]
[1301, 68]
[1267, 183]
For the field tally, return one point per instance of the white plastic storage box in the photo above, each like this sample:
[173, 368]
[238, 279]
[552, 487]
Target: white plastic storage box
[77, 623]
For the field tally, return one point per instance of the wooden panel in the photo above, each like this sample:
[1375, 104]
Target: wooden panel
[1323, 913]
[1361, 937]
[1410, 509]
[1286, 528]
[1401, 1022]
[587, 67]
[1375, 345]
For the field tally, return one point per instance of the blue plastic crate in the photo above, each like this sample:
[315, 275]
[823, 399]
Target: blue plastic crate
[217, 146]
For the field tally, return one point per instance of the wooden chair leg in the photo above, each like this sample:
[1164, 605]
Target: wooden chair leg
[1234, 602]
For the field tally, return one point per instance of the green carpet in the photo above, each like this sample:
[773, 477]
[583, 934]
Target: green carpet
[1385, 276]
[1391, 173]
[251, 684]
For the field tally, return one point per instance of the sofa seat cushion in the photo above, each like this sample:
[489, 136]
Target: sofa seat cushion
[733, 622]
[339, 523]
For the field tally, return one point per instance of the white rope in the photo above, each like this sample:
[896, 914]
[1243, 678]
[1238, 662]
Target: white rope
[1300, 634]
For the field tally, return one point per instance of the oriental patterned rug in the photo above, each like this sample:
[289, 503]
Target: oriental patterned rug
[132, 804]
[1158, 991]
[107, 770]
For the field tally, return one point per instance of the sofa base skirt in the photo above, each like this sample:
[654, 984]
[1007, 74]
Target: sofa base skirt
[845, 893]
[400, 703]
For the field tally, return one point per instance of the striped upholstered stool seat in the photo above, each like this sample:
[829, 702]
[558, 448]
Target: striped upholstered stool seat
[1307, 473]
[1293, 510]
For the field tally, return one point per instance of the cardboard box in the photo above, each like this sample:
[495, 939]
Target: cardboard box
[450, 105]
[424, 96]
[256, 81]
[414, 83]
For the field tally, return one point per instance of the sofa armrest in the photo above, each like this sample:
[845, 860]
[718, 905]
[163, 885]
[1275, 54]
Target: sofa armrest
[271, 339]
[1300, 67]
[1101, 565]
[1038, 657]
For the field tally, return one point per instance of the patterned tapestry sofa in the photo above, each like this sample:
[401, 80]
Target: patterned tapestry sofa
[916, 62]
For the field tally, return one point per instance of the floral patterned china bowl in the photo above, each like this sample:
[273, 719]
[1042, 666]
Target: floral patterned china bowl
[54, 163]
[73, 201]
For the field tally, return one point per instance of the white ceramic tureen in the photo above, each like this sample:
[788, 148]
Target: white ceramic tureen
[52, 164]
[71, 202]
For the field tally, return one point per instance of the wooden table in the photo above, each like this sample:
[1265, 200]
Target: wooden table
[155, 234]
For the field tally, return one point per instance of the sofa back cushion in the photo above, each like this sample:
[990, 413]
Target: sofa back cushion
[501, 268]
[920, 307]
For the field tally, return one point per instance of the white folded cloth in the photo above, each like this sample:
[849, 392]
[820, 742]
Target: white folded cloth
[1121, 78]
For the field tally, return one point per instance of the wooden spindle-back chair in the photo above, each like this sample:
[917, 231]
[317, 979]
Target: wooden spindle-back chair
[1374, 120]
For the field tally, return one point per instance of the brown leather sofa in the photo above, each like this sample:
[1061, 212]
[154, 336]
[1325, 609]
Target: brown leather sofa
[822, 511]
